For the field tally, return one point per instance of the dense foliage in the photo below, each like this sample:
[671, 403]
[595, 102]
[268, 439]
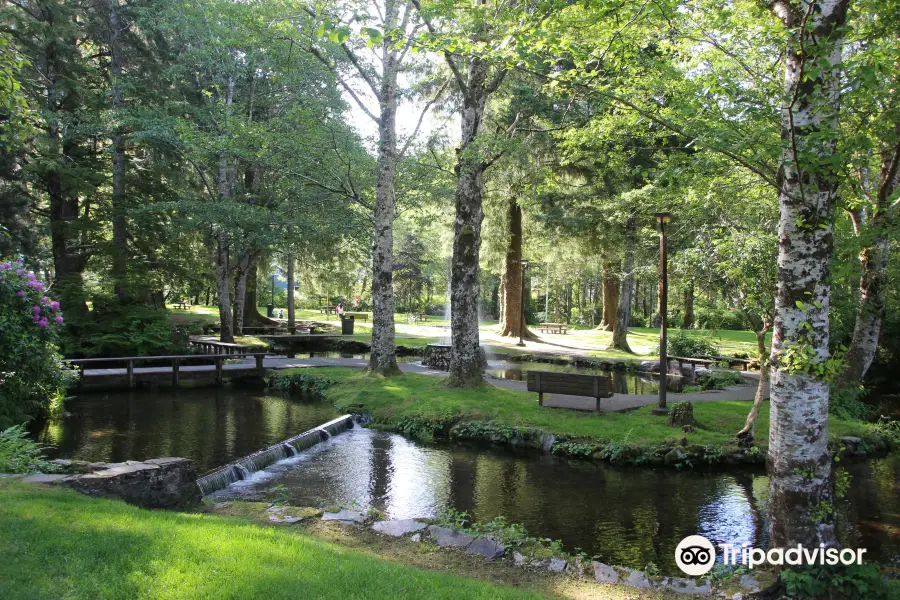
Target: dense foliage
[32, 376]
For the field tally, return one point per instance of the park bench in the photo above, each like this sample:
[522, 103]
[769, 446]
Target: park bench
[416, 318]
[327, 310]
[360, 316]
[570, 384]
[554, 328]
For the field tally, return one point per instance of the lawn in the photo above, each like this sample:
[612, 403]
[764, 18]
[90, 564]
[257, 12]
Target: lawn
[59, 544]
[391, 400]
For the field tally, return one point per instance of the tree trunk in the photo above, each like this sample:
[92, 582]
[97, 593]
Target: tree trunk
[383, 359]
[119, 224]
[747, 434]
[623, 315]
[292, 313]
[511, 325]
[610, 297]
[466, 357]
[222, 266]
[873, 261]
[242, 271]
[688, 321]
[799, 462]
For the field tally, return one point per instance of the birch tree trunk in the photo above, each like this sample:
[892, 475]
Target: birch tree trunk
[222, 267]
[383, 359]
[873, 261]
[747, 434]
[623, 315]
[292, 313]
[799, 462]
[466, 357]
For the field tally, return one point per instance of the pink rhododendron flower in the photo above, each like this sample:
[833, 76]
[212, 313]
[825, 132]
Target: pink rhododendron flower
[45, 300]
[36, 309]
[43, 322]
[54, 305]
[59, 320]
[20, 293]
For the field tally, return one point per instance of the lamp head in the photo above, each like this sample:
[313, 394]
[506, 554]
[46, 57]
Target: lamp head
[524, 263]
[663, 217]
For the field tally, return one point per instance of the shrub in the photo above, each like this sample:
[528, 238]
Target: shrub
[302, 383]
[32, 375]
[693, 345]
[113, 329]
[851, 581]
[719, 380]
[717, 318]
[19, 454]
[846, 402]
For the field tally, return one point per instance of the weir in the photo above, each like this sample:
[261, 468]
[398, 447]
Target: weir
[221, 477]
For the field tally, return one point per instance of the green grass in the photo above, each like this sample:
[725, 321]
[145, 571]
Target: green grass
[59, 544]
[392, 399]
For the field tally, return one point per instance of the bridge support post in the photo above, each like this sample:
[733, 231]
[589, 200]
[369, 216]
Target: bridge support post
[129, 367]
[219, 370]
[259, 365]
[175, 365]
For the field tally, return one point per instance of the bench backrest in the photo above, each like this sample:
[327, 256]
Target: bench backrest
[572, 384]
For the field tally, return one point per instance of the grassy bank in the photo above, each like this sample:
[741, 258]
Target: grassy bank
[420, 406]
[59, 544]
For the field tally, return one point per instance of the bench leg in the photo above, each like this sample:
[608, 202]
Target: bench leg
[597, 407]
[540, 398]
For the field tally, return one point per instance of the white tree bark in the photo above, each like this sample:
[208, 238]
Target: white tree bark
[383, 358]
[800, 488]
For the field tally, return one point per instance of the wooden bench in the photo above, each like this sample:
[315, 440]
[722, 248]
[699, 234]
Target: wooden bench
[554, 328]
[359, 316]
[571, 384]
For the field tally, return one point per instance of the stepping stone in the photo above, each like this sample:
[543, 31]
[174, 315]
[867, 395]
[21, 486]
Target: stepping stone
[347, 517]
[486, 547]
[605, 573]
[637, 579]
[749, 583]
[416, 538]
[557, 565]
[449, 538]
[687, 586]
[399, 528]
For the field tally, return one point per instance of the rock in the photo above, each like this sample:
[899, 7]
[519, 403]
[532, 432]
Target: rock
[416, 538]
[519, 559]
[289, 514]
[687, 586]
[698, 371]
[43, 478]
[749, 583]
[605, 573]
[637, 579]
[557, 565]
[576, 568]
[155, 483]
[487, 547]
[347, 517]
[399, 528]
[448, 538]
[649, 366]
[673, 457]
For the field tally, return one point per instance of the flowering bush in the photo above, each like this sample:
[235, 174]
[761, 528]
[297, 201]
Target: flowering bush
[32, 375]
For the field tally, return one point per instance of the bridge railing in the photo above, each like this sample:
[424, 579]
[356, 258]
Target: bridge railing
[173, 360]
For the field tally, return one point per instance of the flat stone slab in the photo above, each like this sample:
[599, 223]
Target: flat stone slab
[43, 478]
[156, 483]
[288, 514]
[449, 538]
[557, 565]
[749, 583]
[687, 586]
[399, 528]
[637, 579]
[605, 573]
[486, 547]
[344, 516]
[416, 538]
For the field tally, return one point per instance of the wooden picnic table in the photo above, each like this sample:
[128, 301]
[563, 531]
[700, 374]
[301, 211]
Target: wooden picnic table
[183, 305]
[327, 309]
[554, 327]
[358, 315]
[417, 317]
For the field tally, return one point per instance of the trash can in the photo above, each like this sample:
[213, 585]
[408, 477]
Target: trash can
[270, 311]
[347, 325]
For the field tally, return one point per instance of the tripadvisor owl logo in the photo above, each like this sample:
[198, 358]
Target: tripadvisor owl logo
[695, 555]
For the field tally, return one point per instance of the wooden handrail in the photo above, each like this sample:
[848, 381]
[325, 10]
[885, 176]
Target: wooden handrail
[81, 361]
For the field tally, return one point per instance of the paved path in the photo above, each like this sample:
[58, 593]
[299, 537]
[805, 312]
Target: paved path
[617, 402]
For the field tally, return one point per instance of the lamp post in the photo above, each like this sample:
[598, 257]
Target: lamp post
[524, 264]
[661, 409]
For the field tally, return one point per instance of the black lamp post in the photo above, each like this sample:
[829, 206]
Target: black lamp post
[524, 264]
[661, 408]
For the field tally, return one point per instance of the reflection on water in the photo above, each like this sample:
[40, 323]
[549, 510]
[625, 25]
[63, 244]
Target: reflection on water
[623, 383]
[626, 516]
[212, 426]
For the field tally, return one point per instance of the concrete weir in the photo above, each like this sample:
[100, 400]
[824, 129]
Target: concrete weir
[242, 468]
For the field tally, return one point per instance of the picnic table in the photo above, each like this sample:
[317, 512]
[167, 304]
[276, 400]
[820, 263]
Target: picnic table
[327, 310]
[554, 327]
[358, 315]
[713, 361]
[183, 305]
[417, 317]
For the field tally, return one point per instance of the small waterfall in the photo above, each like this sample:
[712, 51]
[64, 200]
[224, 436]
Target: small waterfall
[243, 468]
[547, 441]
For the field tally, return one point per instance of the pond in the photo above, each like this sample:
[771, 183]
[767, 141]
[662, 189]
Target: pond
[627, 516]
